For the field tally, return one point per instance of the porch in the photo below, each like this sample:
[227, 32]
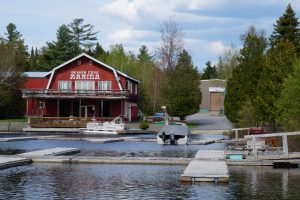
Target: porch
[63, 122]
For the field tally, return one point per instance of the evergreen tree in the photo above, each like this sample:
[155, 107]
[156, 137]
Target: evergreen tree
[12, 34]
[245, 78]
[210, 71]
[100, 53]
[289, 103]
[20, 49]
[287, 28]
[58, 52]
[145, 65]
[279, 66]
[184, 92]
[83, 34]
[11, 80]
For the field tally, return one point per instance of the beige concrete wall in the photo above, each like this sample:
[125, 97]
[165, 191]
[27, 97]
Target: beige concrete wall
[205, 85]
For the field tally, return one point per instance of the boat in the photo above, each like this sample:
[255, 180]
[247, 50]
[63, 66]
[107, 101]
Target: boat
[173, 134]
[111, 127]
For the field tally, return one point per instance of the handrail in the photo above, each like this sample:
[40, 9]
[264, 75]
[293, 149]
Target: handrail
[51, 92]
[273, 135]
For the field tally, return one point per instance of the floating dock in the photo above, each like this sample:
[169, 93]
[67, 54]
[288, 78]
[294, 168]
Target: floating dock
[205, 141]
[13, 139]
[112, 160]
[6, 162]
[50, 152]
[207, 166]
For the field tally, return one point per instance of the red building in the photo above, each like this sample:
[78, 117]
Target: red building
[81, 87]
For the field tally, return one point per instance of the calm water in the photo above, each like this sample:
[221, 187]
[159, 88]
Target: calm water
[95, 181]
[64, 181]
[130, 149]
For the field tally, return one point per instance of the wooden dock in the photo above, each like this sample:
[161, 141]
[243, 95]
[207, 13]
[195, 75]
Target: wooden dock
[205, 141]
[112, 160]
[50, 152]
[6, 161]
[13, 139]
[207, 166]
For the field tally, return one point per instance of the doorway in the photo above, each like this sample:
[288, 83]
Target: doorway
[87, 111]
[104, 108]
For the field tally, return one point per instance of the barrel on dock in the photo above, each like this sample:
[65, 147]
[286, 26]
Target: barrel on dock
[207, 166]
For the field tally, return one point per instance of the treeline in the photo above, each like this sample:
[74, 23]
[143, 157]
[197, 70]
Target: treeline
[263, 77]
[167, 75]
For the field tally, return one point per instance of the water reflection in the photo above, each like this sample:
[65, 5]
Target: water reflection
[63, 181]
[79, 181]
[129, 149]
[264, 183]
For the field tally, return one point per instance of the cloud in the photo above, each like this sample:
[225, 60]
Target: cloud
[123, 8]
[204, 4]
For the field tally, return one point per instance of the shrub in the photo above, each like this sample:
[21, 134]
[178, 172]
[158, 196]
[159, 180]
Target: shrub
[144, 125]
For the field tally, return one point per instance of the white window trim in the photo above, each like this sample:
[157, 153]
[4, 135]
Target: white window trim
[82, 89]
[104, 85]
[129, 86]
[61, 85]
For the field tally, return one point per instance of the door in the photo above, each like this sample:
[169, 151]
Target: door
[88, 111]
[216, 101]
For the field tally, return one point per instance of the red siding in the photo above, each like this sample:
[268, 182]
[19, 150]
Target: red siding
[134, 113]
[35, 83]
[65, 72]
[51, 107]
[115, 108]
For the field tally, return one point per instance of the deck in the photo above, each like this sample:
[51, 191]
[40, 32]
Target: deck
[207, 166]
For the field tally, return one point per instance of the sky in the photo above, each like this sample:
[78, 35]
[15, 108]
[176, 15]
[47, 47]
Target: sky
[210, 26]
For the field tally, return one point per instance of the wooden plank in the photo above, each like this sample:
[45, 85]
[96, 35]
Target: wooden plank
[104, 140]
[6, 162]
[50, 152]
[205, 141]
[207, 166]
[17, 139]
[210, 155]
[12, 139]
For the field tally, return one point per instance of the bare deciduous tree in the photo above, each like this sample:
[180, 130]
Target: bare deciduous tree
[171, 45]
[7, 63]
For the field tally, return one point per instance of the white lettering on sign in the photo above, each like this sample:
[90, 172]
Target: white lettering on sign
[88, 75]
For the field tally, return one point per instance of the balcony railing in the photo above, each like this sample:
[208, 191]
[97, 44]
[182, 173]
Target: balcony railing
[52, 93]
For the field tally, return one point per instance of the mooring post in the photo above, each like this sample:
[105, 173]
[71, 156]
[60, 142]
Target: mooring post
[254, 147]
[285, 145]
[236, 137]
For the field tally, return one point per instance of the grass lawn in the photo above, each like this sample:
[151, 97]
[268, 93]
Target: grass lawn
[193, 125]
[14, 120]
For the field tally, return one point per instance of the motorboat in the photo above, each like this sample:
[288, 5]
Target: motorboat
[111, 127]
[173, 134]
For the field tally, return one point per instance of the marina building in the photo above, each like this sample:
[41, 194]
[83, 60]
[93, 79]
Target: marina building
[82, 87]
[212, 91]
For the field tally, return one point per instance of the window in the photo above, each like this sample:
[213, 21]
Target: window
[65, 86]
[104, 85]
[84, 86]
[129, 86]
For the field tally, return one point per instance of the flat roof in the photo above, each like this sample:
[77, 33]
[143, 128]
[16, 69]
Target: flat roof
[35, 74]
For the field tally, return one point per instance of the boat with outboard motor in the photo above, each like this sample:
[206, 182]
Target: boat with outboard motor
[111, 127]
[172, 134]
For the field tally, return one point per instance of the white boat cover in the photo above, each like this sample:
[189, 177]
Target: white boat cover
[174, 129]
